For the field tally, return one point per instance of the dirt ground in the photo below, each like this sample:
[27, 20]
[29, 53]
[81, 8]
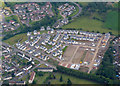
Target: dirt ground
[78, 54]
[69, 52]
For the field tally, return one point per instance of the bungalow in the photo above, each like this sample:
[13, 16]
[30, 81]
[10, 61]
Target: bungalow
[45, 69]
[32, 77]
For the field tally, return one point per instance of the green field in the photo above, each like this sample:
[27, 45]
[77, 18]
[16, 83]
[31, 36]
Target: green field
[111, 20]
[88, 24]
[74, 80]
[16, 38]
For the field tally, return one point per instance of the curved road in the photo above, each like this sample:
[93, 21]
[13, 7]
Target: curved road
[80, 9]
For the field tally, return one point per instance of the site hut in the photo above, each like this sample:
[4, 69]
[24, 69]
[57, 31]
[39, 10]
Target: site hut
[45, 69]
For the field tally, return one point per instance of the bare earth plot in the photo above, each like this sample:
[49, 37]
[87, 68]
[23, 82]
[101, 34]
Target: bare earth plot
[78, 55]
[69, 53]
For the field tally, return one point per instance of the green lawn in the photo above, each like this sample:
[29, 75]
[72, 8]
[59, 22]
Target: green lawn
[88, 24]
[74, 80]
[15, 39]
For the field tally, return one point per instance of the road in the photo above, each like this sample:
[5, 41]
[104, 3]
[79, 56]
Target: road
[97, 49]
[80, 9]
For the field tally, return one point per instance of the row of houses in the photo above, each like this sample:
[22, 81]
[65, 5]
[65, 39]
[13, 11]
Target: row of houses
[83, 38]
[105, 39]
[79, 32]
[56, 37]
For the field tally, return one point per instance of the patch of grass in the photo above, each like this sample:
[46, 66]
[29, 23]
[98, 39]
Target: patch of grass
[83, 3]
[53, 62]
[74, 80]
[42, 65]
[65, 48]
[13, 17]
[88, 24]
[41, 79]
[16, 38]
[111, 20]
[83, 56]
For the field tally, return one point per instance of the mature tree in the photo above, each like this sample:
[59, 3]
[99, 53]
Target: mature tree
[61, 79]
[69, 81]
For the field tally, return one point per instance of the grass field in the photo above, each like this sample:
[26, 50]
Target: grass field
[88, 24]
[111, 20]
[74, 80]
[15, 39]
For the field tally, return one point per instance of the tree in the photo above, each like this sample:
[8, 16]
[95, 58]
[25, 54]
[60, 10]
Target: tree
[61, 79]
[69, 81]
